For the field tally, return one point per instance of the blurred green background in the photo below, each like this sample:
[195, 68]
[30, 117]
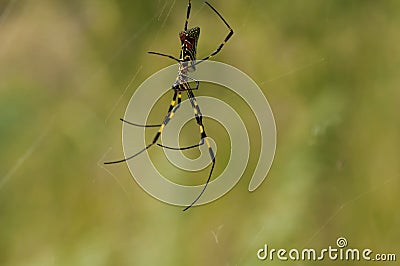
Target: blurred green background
[329, 69]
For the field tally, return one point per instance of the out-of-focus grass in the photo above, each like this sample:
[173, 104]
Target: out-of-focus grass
[328, 68]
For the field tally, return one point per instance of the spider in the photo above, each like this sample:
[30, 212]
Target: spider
[187, 63]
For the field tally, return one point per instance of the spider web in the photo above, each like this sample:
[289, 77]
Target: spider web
[218, 229]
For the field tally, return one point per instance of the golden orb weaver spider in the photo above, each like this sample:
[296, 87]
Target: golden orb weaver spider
[187, 60]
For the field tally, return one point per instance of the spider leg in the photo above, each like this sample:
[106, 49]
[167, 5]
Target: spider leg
[188, 14]
[171, 111]
[182, 148]
[225, 40]
[186, 86]
[185, 28]
[203, 135]
[166, 55]
[138, 125]
[192, 79]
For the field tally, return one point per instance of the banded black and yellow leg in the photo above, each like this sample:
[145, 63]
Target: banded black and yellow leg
[230, 33]
[199, 119]
[156, 125]
[171, 111]
[180, 148]
[188, 147]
